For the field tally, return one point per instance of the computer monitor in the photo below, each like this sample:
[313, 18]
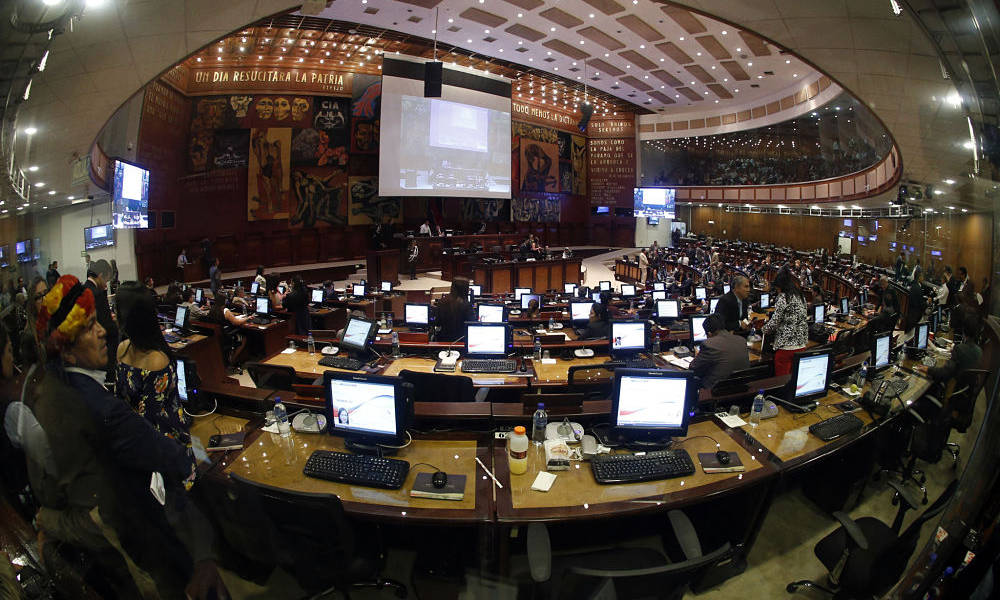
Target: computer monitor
[487, 340]
[476, 289]
[386, 287]
[316, 296]
[659, 295]
[810, 376]
[596, 297]
[726, 288]
[696, 327]
[569, 288]
[263, 305]
[667, 309]
[281, 289]
[182, 381]
[628, 290]
[492, 313]
[357, 333]
[699, 293]
[366, 410]
[519, 291]
[819, 313]
[358, 290]
[527, 298]
[605, 286]
[845, 305]
[254, 288]
[937, 317]
[628, 338]
[199, 296]
[712, 303]
[765, 300]
[181, 317]
[579, 312]
[920, 339]
[881, 343]
[659, 286]
[651, 405]
[864, 296]
[417, 315]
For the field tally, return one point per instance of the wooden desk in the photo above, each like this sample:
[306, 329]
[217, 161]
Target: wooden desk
[306, 365]
[276, 461]
[539, 275]
[206, 353]
[269, 339]
[426, 365]
[383, 265]
[558, 373]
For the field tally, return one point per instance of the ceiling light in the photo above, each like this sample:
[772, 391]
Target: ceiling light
[895, 7]
[951, 208]
[52, 192]
[938, 192]
[749, 64]
[199, 59]
[94, 3]
[681, 38]
[552, 28]
[968, 145]
[591, 15]
[451, 20]
[30, 131]
[955, 99]
[519, 15]
[964, 210]
[33, 168]
[793, 75]
[950, 181]
[39, 184]
[814, 207]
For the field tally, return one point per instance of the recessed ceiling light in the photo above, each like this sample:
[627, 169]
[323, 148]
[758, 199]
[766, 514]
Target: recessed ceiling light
[33, 168]
[698, 53]
[552, 28]
[950, 181]
[71, 197]
[451, 20]
[519, 15]
[40, 184]
[199, 59]
[681, 38]
[793, 75]
[52, 192]
[591, 15]
[964, 210]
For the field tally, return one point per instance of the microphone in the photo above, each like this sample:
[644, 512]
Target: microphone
[447, 352]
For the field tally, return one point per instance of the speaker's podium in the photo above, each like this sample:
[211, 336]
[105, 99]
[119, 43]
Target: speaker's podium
[383, 265]
[192, 272]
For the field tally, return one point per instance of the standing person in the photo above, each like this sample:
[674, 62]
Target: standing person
[30, 350]
[260, 280]
[97, 282]
[425, 227]
[297, 302]
[215, 277]
[643, 266]
[900, 264]
[412, 254]
[453, 311]
[182, 259]
[52, 275]
[113, 284]
[917, 303]
[788, 322]
[733, 307]
[916, 269]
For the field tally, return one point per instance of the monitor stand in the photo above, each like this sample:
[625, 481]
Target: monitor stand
[647, 444]
[371, 449]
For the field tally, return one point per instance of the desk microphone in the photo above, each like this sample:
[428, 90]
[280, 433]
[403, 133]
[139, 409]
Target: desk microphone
[447, 352]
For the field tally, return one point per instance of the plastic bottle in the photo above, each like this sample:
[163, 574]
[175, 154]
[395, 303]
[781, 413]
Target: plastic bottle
[863, 374]
[281, 418]
[538, 348]
[552, 323]
[517, 452]
[388, 321]
[395, 344]
[538, 423]
[311, 343]
[757, 408]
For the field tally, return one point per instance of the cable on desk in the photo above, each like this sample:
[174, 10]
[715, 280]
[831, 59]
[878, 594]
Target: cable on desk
[812, 413]
[694, 437]
[409, 440]
[215, 406]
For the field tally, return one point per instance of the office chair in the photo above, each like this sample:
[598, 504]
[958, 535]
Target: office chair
[442, 387]
[865, 558]
[273, 377]
[621, 572]
[309, 536]
[739, 381]
[594, 381]
[959, 404]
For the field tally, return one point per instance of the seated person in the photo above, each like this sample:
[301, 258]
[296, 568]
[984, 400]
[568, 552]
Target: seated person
[721, 354]
[453, 311]
[274, 294]
[221, 315]
[240, 303]
[598, 326]
[329, 293]
[533, 308]
[194, 311]
[966, 353]
[173, 295]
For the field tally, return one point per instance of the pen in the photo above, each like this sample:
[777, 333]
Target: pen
[492, 476]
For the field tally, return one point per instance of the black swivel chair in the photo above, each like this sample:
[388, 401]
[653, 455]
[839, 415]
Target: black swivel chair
[958, 403]
[274, 377]
[594, 381]
[441, 387]
[865, 558]
[620, 572]
[310, 537]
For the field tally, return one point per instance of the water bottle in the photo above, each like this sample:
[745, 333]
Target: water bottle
[538, 348]
[311, 344]
[388, 321]
[395, 344]
[757, 408]
[281, 418]
[552, 323]
[538, 423]
[863, 374]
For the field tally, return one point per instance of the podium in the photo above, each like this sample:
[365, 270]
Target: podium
[192, 272]
[383, 265]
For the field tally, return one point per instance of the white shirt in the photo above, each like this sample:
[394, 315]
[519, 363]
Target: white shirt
[425, 229]
[182, 260]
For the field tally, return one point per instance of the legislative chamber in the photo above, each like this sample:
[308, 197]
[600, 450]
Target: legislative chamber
[517, 299]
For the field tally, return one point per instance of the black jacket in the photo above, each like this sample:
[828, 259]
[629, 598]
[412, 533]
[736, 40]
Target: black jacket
[719, 357]
[729, 308]
[105, 319]
[298, 304]
[452, 314]
[596, 330]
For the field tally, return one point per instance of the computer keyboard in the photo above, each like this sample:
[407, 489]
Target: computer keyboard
[634, 363]
[834, 427]
[260, 321]
[360, 469]
[341, 362]
[489, 365]
[630, 468]
[171, 338]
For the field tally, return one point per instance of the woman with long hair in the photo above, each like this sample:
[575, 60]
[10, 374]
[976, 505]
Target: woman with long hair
[454, 310]
[30, 348]
[788, 323]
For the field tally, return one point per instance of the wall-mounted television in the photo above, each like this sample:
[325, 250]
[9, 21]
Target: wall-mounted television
[22, 251]
[98, 236]
[653, 202]
[602, 210]
[129, 196]
[848, 222]
[4, 256]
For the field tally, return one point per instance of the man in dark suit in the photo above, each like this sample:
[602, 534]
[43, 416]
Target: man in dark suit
[98, 276]
[721, 354]
[733, 307]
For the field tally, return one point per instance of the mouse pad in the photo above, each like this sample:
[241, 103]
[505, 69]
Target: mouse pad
[454, 489]
[710, 463]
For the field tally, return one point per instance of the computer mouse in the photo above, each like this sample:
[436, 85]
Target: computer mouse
[523, 367]
[723, 457]
[439, 479]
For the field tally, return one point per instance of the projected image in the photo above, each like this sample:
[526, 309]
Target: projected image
[812, 375]
[363, 407]
[130, 197]
[451, 147]
[651, 402]
[654, 202]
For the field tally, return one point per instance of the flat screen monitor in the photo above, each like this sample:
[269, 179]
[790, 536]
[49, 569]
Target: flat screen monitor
[476, 290]
[880, 350]
[180, 317]
[199, 295]
[569, 288]
[811, 374]
[819, 313]
[864, 296]
[519, 291]
[699, 293]
[492, 313]
[667, 309]
[605, 286]
[358, 290]
[417, 315]
[317, 296]
[487, 340]
[651, 404]
[364, 409]
[726, 288]
[386, 287]
[263, 305]
[357, 333]
[98, 236]
[527, 298]
[937, 317]
[628, 337]
[254, 288]
[4, 256]
[182, 385]
[628, 290]
[765, 300]
[579, 312]
[659, 295]
[596, 297]
[696, 326]
[653, 202]
[659, 286]
[712, 303]
[920, 339]
[844, 306]
[22, 251]
[129, 196]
